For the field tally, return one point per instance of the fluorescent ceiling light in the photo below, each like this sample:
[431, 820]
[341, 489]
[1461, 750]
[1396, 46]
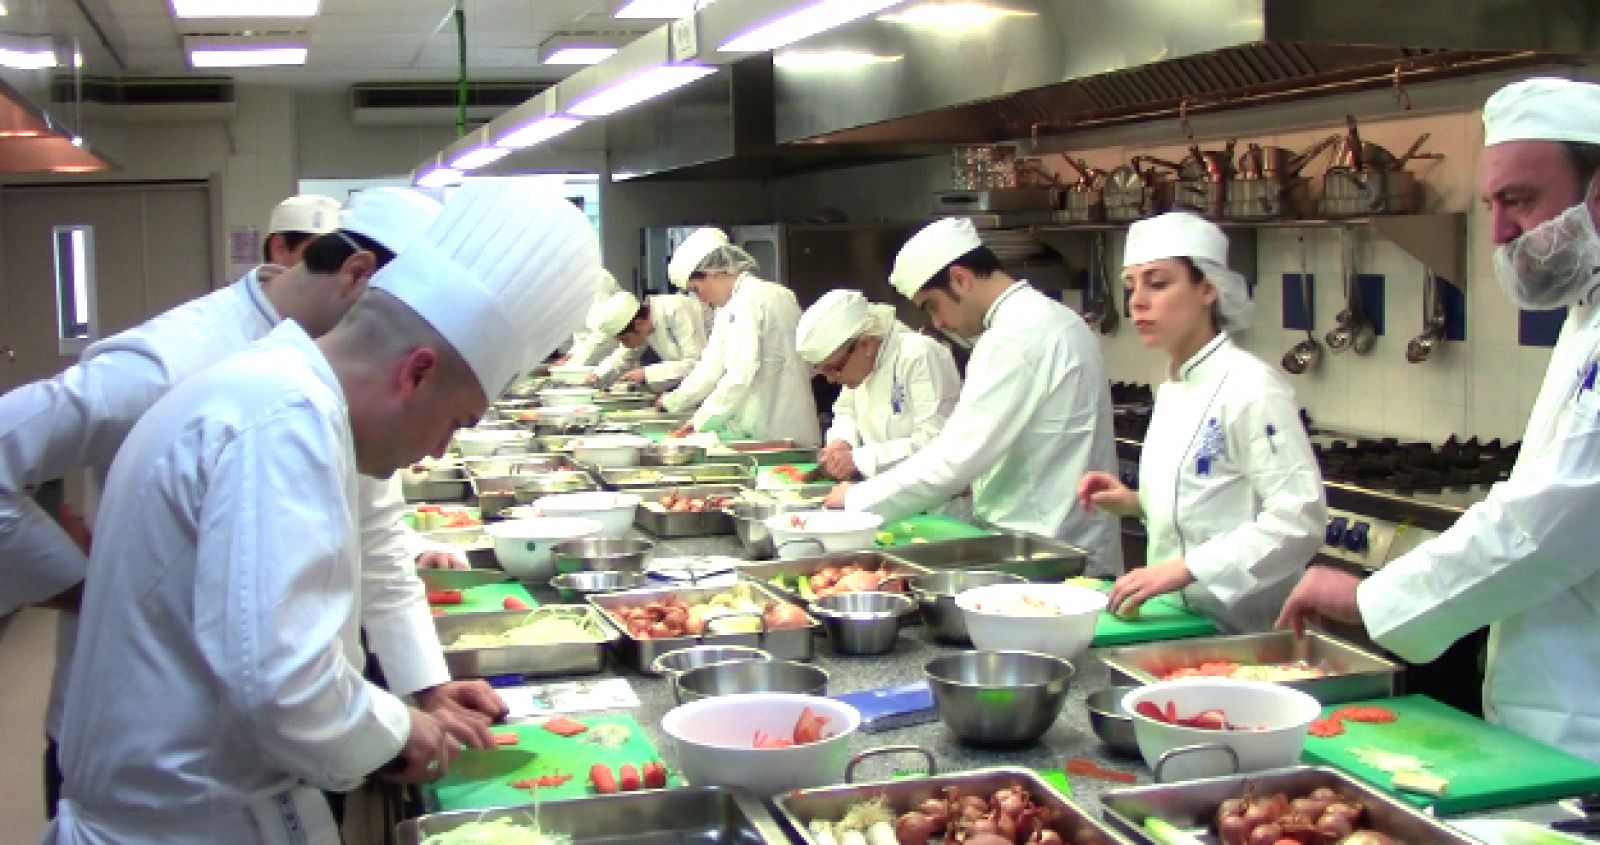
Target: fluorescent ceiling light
[819, 16]
[245, 8]
[235, 57]
[15, 53]
[439, 177]
[537, 132]
[829, 59]
[580, 55]
[954, 15]
[660, 9]
[478, 157]
[638, 88]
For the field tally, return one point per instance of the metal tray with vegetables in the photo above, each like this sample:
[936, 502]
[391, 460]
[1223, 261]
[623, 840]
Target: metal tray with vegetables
[1329, 669]
[1301, 803]
[549, 640]
[695, 510]
[654, 817]
[632, 478]
[654, 622]
[935, 808]
[806, 579]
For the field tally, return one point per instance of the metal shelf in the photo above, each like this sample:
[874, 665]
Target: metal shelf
[1438, 241]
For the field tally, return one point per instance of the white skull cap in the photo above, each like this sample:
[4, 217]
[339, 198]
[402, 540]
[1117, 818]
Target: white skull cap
[611, 315]
[311, 213]
[832, 321]
[1543, 109]
[1177, 234]
[930, 250]
[505, 273]
[391, 217]
[693, 250]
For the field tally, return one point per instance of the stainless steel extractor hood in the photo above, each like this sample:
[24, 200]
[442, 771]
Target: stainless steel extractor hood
[1057, 65]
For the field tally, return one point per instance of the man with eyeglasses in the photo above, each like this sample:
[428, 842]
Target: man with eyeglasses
[899, 386]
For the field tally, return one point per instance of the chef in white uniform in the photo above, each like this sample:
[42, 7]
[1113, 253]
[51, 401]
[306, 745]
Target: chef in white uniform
[670, 325]
[294, 223]
[212, 694]
[750, 382]
[1034, 414]
[899, 386]
[1229, 489]
[1523, 560]
[590, 347]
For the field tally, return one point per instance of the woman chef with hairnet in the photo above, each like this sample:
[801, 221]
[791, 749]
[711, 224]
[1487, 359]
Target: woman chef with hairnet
[899, 386]
[671, 326]
[1228, 486]
[750, 383]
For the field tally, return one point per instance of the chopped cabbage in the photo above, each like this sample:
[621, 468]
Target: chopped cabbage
[501, 831]
[539, 632]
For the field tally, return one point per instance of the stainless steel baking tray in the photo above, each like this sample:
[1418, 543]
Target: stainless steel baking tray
[765, 571]
[765, 452]
[630, 478]
[657, 817]
[1356, 674]
[652, 517]
[1193, 804]
[1075, 824]
[551, 659]
[1033, 557]
[781, 643]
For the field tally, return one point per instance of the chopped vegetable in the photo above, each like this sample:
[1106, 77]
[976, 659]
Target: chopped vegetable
[1089, 768]
[1357, 713]
[655, 775]
[445, 597]
[1164, 833]
[1388, 761]
[542, 781]
[803, 585]
[822, 832]
[610, 736]
[1326, 727]
[628, 779]
[514, 603]
[501, 831]
[563, 726]
[602, 779]
[551, 629]
[1420, 782]
[506, 738]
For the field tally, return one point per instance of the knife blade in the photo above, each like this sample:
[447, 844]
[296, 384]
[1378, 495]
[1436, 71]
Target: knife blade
[475, 764]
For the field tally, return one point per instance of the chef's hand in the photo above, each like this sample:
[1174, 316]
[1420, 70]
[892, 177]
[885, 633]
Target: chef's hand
[838, 463]
[635, 375]
[1323, 593]
[1139, 586]
[835, 497]
[427, 753]
[440, 559]
[465, 710]
[76, 528]
[661, 403]
[1107, 492]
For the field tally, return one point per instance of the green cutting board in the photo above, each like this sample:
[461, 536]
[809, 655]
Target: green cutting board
[766, 478]
[556, 755]
[1487, 765]
[1162, 618]
[929, 528]
[488, 597]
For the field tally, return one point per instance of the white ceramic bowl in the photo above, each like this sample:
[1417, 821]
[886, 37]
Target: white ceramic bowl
[614, 511]
[524, 546]
[798, 534]
[480, 443]
[713, 739]
[1276, 718]
[1065, 633]
[609, 450]
[571, 375]
[557, 397]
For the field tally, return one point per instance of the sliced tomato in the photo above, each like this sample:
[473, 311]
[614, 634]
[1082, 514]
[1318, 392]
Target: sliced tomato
[1149, 709]
[1326, 727]
[808, 728]
[1207, 720]
[1171, 711]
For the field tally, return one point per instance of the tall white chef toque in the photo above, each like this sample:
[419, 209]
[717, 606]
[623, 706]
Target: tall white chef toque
[391, 217]
[1180, 234]
[930, 250]
[835, 319]
[611, 315]
[693, 250]
[505, 273]
[1543, 109]
[312, 213]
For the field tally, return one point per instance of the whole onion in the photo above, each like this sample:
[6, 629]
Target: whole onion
[938, 811]
[916, 828]
[1010, 805]
[1049, 837]
[987, 839]
[982, 825]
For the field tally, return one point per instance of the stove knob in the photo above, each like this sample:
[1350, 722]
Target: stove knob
[1356, 538]
[1335, 531]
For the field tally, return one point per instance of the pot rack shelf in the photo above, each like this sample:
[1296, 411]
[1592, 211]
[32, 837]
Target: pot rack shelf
[1438, 241]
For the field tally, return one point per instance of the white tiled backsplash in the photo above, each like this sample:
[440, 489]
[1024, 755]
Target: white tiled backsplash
[1484, 386]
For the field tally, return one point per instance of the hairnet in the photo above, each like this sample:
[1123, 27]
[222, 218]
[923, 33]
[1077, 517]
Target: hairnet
[729, 259]
[1234, 308]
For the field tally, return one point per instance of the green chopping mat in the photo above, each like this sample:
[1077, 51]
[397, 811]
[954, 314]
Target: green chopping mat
[556, 755]
[1488, 766]
[766, 478]
[488, 597]
[929, 528]
[1161, 618]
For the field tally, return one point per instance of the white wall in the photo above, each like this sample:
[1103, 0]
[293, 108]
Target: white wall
[627, 207]
[330, 146]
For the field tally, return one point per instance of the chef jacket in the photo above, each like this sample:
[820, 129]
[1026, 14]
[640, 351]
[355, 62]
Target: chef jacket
[214, 675]
[678, 338]
[79, 418]
[1522, 561]
[750, 383]
[1034, 415]
[1228, 483]
[901, 405]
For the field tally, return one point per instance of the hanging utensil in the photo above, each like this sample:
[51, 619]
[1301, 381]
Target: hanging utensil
[1307, 353]
[1433, 322]
[1105, 309]
[1338, 339]
[1363, 335]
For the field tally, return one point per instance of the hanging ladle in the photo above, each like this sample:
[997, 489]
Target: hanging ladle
[1433, 323]
[1305, 354]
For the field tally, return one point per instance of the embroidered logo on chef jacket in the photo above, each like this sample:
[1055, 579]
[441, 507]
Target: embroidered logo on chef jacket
[1211, 448]
[1586, 379]
[897, 396]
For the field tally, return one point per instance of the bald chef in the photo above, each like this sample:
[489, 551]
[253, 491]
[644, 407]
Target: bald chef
[1033, 416]
[212, 694]
[899, 386]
